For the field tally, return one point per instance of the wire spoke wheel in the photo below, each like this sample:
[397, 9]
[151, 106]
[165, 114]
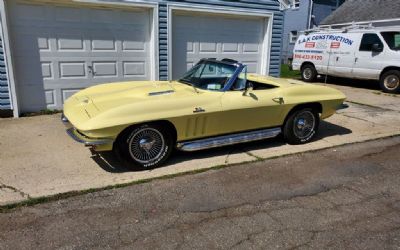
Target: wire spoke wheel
[304, 124]
[146, 145]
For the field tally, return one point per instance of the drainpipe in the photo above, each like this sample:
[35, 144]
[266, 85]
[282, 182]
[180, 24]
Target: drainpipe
[311, 8]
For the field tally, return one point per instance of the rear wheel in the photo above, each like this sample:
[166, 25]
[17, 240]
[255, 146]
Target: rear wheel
[308, 73]
[390, 81]
[301, 126]
[146, 146]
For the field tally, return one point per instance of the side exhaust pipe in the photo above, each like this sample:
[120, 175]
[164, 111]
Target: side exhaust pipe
[226, 140]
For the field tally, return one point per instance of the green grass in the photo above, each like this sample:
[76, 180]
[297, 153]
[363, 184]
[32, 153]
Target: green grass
[42, 112]
[287, 73]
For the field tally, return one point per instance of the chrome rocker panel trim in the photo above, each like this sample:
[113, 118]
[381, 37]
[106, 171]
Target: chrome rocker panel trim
[226, 140]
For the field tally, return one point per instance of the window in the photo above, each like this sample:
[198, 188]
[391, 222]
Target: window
[209, 75]
[392, 39]
[368, 40]
[295, 4]
[293, 36]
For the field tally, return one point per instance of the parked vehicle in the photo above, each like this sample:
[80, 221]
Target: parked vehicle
[216, 103]
[353, 52]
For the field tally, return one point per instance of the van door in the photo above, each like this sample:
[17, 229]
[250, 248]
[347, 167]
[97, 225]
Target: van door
[341, 56]
[369, 62]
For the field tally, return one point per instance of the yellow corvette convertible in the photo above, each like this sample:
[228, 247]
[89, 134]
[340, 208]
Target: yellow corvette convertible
[216, 103]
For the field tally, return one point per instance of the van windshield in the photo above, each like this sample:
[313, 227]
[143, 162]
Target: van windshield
[392, 39]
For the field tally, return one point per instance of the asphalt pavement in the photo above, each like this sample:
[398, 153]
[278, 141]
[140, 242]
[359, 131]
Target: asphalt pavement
[338, 198]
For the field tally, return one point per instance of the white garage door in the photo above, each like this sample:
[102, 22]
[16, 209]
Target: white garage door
[58, 50]
[211, 36]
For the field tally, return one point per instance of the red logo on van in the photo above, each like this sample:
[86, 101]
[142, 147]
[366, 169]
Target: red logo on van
[335, 45]
[310, 44]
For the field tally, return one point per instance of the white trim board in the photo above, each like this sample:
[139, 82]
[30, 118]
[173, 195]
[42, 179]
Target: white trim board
[8, 59]
[206, 9]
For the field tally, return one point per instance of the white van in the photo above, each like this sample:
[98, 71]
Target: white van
[354, 52]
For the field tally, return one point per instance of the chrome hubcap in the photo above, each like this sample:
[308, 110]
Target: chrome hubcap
[304, 124]
[392, 82]
[307, 73]
[146, 145]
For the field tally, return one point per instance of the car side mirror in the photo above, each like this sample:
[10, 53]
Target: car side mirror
[376, 47]
[248, 88]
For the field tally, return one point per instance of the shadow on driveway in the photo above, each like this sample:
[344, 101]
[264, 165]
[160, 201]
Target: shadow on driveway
[110, 163]
[348, 82]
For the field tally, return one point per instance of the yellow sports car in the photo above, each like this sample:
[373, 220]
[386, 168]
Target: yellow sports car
[216, 103]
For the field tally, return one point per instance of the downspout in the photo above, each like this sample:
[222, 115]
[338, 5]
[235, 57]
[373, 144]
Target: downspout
[310, 13]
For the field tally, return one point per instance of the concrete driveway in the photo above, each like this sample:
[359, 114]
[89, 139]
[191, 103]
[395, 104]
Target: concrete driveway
[38, 159]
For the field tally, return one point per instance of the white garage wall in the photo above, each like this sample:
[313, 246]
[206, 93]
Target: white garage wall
[59, 50]
[198, 32]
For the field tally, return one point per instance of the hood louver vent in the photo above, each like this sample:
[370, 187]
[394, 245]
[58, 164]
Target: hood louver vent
[166, 92]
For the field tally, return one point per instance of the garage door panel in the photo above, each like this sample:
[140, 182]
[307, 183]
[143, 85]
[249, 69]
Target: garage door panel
[215, 36]
[71, 41]
[72, 70]
[134, 68]
[59, 50]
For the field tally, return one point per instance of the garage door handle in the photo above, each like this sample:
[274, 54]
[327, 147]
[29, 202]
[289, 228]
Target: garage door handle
[91, 71]
[355, 59]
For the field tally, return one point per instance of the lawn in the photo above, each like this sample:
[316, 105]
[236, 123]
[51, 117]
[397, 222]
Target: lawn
[287, 73]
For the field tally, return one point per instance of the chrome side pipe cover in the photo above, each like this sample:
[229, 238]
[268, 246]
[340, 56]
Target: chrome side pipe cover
[226, 140]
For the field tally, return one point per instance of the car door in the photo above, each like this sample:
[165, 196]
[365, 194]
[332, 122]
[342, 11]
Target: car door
[252, 110]
[367, 62]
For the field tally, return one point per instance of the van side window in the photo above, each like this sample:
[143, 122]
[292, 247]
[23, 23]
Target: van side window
[368, 40]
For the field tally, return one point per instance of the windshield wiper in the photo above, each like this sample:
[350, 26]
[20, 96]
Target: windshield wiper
[189, 83]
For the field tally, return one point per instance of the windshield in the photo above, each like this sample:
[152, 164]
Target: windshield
[392, 39]
[209, 75]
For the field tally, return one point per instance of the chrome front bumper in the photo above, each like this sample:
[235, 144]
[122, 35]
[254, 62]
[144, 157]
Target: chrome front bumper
[79, 137]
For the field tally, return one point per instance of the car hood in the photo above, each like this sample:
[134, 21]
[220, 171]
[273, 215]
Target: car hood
[106, 96]
[109, 100]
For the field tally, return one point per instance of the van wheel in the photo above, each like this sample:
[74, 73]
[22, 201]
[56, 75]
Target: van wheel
[308, 73]
[301, 126]
[390, 81]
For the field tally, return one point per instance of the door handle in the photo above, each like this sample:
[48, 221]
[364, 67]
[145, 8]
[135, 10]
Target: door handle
[355, 59]
[90, 68]
[337, 58]
[198, 110]
[278, 100]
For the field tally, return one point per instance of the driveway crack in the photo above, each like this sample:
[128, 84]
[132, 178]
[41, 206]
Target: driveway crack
[16, 190]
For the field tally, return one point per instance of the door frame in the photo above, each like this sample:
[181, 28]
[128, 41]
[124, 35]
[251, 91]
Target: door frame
[268, 16]
[8, 50]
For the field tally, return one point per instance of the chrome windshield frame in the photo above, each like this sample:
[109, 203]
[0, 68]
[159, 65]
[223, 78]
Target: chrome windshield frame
[228, 85]
[232, 79]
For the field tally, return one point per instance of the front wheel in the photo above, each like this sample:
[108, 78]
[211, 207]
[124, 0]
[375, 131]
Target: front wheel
[301, 126]
[390, 82]
[308, 73]
[146, 146]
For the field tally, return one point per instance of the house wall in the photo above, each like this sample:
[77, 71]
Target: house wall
[295, 19]
[5, 100]
[262, 6]
[321, 11]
